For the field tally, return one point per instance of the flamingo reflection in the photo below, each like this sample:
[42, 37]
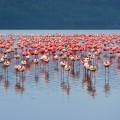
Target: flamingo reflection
[19, 85]
[106, 84]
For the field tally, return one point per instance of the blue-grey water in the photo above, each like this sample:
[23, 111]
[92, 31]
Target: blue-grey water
[27, 31]
[43, 97]
[59, 14]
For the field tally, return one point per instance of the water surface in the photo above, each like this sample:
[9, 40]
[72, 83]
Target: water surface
[43, 97]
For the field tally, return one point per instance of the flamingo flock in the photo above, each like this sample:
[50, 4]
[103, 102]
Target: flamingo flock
[64, 50]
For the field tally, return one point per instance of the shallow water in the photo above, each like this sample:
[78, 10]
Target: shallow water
[43, 96]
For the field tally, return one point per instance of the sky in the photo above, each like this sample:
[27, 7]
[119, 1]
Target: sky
[59, 14]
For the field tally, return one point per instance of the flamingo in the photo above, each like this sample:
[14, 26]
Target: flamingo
[106, 64]
[6, 63]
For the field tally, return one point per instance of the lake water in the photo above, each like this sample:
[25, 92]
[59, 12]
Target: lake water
[42, 96]
[59, 31]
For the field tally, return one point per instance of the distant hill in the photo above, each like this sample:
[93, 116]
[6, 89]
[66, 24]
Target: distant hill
[59, 14]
